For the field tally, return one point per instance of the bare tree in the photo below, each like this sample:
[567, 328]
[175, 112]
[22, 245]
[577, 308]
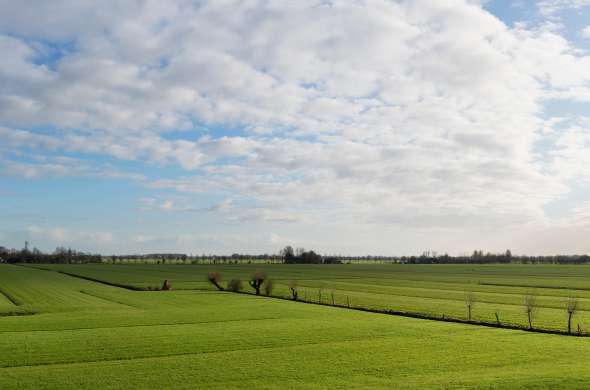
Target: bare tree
[256, 281]
[268, 287]
[235, 285]
[288, 254]
[530, 307]
[571, 305]
[215, 278]
[470, 300]
[293, 287]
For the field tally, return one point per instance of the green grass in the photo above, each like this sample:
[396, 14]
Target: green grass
[89, 335]
[434, 290]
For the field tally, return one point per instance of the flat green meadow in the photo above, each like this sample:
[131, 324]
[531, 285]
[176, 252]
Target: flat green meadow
[60, 331]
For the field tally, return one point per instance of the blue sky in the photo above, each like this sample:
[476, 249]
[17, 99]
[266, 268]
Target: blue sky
[373, 127]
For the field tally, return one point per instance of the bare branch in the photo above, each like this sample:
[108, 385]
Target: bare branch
[256, 281]
[215, 278]
[530, 307]
[470, 300]
[571, 305]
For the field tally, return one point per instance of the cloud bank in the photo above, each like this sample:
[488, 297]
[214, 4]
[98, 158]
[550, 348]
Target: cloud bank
[412, 118]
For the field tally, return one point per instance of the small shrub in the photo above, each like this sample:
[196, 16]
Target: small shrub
[235, 285]
[166, 285]
[293, 287]
[268, 287]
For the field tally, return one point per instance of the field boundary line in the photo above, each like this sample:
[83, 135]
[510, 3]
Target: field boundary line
[139, 325]
[16, 314]
[534, 286]
[124, 286]
[107, 299]
[12, 299]
[424, 316]
[165, 356]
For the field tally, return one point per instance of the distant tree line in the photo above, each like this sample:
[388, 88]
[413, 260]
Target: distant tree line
[287, 255]
[60, 255]
[163, 258]
[478, 257]
[301, 256]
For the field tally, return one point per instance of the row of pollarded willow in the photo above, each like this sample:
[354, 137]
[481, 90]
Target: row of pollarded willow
[257, 281]
[531, 308]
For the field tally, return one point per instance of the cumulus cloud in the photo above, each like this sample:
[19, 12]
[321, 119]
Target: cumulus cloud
[62, 166]
[64, 236]
[550, 8]
[423, 114]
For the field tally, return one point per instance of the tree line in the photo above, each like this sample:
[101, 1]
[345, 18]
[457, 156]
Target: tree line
[287, 255]
[60, 255]
[259, 281]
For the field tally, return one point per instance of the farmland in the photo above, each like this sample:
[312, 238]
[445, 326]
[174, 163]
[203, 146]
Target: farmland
[79, 333]
[434, 290]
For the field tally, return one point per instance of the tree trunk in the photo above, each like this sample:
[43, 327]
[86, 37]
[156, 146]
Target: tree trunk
[255, 285]
[569, 323]
[530, 320]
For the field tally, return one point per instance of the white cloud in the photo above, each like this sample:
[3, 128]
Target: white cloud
[551, 7]
[586, 32]
[423, 114]
[62, 236]
[61, 166]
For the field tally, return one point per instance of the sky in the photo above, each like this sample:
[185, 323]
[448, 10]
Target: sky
[348, 127]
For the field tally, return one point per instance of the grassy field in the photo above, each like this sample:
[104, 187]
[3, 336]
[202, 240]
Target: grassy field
[85, 334]
[435, 290]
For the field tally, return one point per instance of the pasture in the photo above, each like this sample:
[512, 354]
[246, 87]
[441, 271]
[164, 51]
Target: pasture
[77, 333]
[434, 290]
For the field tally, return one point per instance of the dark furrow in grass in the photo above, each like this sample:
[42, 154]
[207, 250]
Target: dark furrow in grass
[12, 299]
[16, 313]
[141, 325]
[123, 286]
[431, 317]
[283, 346]
[108, 300]
[534, 286]
[486, 301]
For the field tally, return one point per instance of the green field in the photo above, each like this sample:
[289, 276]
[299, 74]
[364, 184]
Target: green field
[435, 290]
[85, 334]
